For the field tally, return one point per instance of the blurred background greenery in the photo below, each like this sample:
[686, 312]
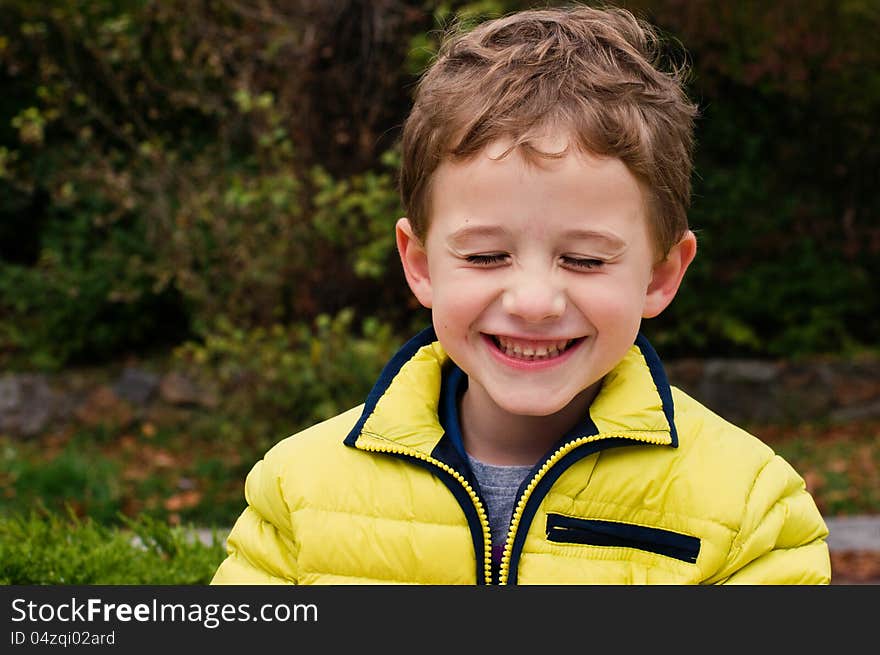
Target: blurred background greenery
[212, 184]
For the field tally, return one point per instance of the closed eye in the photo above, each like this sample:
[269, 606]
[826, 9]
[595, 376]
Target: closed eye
[580, 262]
[487, 260]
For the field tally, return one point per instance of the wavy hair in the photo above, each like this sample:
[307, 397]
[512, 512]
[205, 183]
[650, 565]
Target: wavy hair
[593, 73]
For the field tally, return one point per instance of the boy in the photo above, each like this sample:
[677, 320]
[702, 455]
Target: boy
[531, 436]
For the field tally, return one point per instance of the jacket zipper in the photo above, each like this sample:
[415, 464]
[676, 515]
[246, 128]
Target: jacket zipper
[478, 504]
[561, 452]
[504, 569]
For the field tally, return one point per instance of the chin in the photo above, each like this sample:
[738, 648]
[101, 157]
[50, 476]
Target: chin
[531, 406]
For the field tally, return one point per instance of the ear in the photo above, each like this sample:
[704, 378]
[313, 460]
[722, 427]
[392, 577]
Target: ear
[414, 258]
[667, 275]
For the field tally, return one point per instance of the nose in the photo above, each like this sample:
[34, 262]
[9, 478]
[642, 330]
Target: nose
[533, 299]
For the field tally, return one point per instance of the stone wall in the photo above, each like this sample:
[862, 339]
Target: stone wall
[33, 403]
[759, 391]
[743, 391]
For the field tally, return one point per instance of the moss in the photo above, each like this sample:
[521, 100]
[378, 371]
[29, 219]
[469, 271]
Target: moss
[45, 548]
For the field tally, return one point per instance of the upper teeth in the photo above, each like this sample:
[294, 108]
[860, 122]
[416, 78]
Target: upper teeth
[530, 349]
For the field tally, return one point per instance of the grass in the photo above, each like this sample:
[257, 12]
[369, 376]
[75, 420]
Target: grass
[46, 548]
[176, 475]
[111, 506]
[164, 474]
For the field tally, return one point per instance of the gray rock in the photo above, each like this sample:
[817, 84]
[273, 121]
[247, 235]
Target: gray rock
[25, 404]
[856, 413]
[136, 385]
[10, 395]
[741, 370]
[740, 390]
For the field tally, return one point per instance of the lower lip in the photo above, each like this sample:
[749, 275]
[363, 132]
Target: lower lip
[531, 365]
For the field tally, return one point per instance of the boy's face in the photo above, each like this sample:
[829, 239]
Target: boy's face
[538, 276]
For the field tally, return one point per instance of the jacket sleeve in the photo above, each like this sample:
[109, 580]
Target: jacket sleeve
[781, 539]
[260, 547]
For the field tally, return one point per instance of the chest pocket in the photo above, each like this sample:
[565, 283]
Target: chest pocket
[592, 532]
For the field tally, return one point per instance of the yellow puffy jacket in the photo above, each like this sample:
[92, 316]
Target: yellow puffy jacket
[662, 491]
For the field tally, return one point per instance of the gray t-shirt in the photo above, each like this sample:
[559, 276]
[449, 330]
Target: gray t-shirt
[498, 485]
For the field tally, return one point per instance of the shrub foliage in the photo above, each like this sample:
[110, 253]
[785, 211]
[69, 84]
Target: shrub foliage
[42, 548]
[168, 167]
[279, 380]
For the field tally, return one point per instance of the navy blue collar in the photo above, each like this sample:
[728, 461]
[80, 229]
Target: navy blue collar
[455, 381]
[454, 384]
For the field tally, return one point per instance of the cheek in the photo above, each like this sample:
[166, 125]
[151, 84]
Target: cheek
[453, 311]
[455, 318]
[612, 303]
[462, 295]
[458, 310]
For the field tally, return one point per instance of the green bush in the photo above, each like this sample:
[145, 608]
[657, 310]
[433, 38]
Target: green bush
[275, 381]
[166, 166]
[87, 298]
[358, 215]
[43, 548]
[158, 164]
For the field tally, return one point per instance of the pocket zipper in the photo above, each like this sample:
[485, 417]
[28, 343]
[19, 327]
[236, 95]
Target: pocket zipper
[593, 532]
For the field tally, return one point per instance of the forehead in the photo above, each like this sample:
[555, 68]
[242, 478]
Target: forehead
[522, 188]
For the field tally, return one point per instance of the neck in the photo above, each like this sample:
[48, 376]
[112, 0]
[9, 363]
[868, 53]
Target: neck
[493, 435]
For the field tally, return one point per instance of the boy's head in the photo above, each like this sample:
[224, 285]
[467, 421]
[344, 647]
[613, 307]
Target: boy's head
[545, 174]
[586, 72]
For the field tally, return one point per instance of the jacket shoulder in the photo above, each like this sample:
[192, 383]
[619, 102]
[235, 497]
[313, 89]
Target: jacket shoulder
[778, 530]
[317, 437]
[725, 455]
[308, 459]
[262, 547]
[300, 457]
[700, 427]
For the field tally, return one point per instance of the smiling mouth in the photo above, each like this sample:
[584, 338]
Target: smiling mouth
[530, 350]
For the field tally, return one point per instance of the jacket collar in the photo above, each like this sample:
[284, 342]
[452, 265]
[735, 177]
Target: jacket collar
[401, 411]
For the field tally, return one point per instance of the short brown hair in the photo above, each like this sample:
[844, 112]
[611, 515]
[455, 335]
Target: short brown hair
[593, 72]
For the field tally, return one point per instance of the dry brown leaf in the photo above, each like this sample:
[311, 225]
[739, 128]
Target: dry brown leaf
[183, 500]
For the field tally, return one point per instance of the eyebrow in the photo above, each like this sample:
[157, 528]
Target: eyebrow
[607, 239]
[610, 241]
[472, 231]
